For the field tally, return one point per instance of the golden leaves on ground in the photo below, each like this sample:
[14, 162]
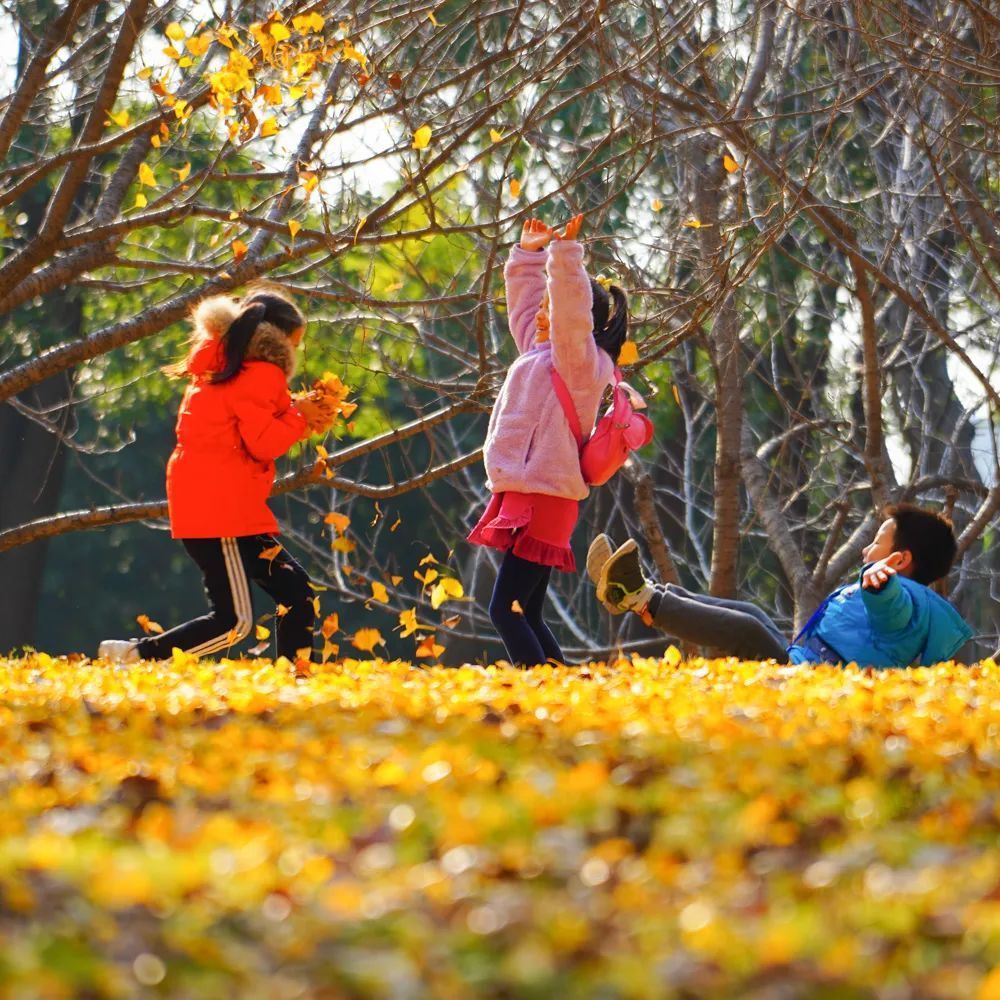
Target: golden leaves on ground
[695, 830]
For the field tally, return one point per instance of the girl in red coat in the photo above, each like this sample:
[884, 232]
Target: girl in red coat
[236, 418]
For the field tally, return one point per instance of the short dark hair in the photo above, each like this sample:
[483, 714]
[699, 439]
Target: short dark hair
[928, 536]
[268, 305]
[610, 326]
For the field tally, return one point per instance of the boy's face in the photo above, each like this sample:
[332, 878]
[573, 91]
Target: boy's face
[883, 545]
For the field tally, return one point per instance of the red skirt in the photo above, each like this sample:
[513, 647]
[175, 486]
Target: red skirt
[535, 526]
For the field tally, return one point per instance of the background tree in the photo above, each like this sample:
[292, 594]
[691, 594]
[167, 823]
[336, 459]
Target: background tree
[800, 201]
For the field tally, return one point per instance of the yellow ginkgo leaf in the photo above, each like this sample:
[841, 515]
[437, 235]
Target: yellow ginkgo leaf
[145, 73]
[344, 545]
[730, 164]
[379, 593]
[428, 648]
[305, 23]
[409, 623]
[422, 137]
[294, 227]
[445, 589]
[183, 172]
[496, 135]
[239, 249]
[694, 224]
[281, 610]
[198, 45]
[629, 353]
[175, 32]
[261, 632]
[149, 627]
[270, 554]
[121, 119]
[146, 175]
[656, 205]
[338, 520]
[278, 31]
[330, 625]
[269, 127]
[355, 55]
[140, 200]
[515, 188]
[366, 639]
[428, 560]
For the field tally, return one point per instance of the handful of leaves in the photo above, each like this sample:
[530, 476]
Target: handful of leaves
[325, 402]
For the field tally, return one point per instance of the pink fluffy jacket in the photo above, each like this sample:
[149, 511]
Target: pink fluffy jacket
[529, 445]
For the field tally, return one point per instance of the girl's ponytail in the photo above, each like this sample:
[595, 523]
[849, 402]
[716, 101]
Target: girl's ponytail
[610, 315]
[237, 339]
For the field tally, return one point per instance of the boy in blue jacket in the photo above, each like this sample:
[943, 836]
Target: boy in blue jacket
[887, 618]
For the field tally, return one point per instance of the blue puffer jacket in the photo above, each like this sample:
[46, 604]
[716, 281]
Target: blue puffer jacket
[900, 625]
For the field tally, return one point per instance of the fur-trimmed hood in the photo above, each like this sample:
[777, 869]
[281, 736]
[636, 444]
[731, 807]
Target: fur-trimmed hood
[269, 343]
[212, 318]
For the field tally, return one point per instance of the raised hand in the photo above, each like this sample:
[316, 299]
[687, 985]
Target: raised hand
[535, 235]
[571, 230]
[877, 575]
[319, 415]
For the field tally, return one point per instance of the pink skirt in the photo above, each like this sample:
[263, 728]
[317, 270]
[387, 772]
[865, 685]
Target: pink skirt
[535, 526]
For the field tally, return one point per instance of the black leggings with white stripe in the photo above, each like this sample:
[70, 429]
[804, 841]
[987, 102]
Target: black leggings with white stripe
[228, 565]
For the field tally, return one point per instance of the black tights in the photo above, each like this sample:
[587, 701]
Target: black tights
[524, 633]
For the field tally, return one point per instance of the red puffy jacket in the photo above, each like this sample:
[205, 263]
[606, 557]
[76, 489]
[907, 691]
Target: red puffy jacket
[228, 435]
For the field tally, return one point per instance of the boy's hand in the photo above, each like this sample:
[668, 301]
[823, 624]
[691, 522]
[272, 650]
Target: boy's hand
[535, 235]
[572, 229]
[877, 575]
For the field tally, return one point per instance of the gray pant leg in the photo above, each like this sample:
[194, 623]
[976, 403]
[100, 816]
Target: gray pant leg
[735, 631]
[725, 602]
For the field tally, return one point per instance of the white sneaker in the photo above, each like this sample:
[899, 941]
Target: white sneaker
[118, 651]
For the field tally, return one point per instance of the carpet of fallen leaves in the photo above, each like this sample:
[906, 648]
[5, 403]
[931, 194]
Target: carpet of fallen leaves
[643, 829]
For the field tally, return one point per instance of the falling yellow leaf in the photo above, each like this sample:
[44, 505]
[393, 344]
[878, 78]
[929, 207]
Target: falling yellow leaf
[278, 31]
[366, 639]
[315, 604]
[338, 520]
[146, 176]
[629, 354]
[451, 622]
[172, 53]
[270, 554]
[693, 224]
[355, 55]
[396, 523]
[428, 559]
[447, 588]
[280, 611]
[428, 578]
[145, 73]
[656, 205]
[730, 164]
[515, 606]
[409, 623]
[330, 649]
[396, 580]
[422, 137]
[427, 647]
[121, 119]
[239, 249]
[184, 172]
[149, 626]
[496, 135]
[379, 593]
[359, 227]
[270, 127]
[198, 44]
[305, 23]
[515, 188]
[433, 20]
[677, 394]
[261, 632]
[330, 625]
[294, 227]
[344, 545]
[140, 200]
[175, 32]
[155, 140]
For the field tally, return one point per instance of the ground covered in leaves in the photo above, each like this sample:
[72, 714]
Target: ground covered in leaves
[646, 829]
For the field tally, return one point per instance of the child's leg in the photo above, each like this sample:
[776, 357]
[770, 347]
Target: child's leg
[724, 602]
[288, 584]
[517, 580]
[533, 612]
[737, 632]
[228, 588]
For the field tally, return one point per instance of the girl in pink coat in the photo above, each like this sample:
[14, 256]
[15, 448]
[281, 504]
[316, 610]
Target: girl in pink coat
[559, 318]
